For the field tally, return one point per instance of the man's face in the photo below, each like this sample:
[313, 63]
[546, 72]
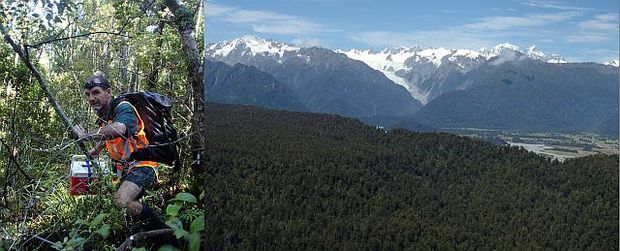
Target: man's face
[98, 97]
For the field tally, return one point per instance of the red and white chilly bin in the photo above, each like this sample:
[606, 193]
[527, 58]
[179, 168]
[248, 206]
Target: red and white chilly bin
[83, 174]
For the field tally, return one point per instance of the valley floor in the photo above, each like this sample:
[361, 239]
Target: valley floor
[555, 145]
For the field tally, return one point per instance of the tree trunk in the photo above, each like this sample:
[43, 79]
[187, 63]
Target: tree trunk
[154, 74]
[185, 25]
[200, 20]
[122, 71]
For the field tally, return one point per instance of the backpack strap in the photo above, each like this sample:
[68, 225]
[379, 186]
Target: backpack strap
[113, 104]
[140, 122]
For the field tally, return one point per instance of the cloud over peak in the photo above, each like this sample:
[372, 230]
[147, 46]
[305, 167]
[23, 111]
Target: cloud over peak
[496, 23]
[601, 22]
[264, 21]
[553, 5]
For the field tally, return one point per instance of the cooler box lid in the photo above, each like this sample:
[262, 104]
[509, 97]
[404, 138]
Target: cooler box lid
[79, 166]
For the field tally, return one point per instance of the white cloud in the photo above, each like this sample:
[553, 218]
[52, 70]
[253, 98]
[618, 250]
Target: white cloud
[264, 21]
[289, 27]
[613, 17]
[249, 16]
[486, 32]
[601, 22]
[587, 38]
[216, 10]
[553, 5]
[547, 40]
[454, 38]
[308, 42]
[596, 55]
[600, 52]
[508, 22]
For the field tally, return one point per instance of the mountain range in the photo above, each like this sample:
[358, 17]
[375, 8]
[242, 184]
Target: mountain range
[242, 84]
[502, 87]
[324, 81]
[425, 72]
[529, 95]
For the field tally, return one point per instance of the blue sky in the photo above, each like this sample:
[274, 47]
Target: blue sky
[578, 30]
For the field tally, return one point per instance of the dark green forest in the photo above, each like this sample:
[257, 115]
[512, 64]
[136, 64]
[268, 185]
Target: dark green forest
[292, 180]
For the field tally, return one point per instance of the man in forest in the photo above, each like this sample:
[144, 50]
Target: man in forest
[120, 133]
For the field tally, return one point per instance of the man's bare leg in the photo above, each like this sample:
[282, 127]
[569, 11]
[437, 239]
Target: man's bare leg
[127, 195]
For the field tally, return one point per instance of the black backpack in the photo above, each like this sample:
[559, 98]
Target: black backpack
[155, 111]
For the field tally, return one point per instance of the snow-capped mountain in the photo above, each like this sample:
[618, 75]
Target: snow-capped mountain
[412, 67]
[535, 53]
[500, 87]
[502, 50]
[251, 46]
[427, 73]
[530, 95]
[614, 62]
[323, 80]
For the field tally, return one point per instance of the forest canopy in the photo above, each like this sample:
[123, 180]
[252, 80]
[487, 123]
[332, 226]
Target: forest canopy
[290, 180]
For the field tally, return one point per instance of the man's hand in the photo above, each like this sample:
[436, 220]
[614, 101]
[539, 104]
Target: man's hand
[93, 152]
[110, 131]
[79, 132]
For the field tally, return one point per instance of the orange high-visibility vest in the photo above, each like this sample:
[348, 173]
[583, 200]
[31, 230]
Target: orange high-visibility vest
[121, 148]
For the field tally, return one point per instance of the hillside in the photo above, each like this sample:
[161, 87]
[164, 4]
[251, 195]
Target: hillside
[529, 95]
[241, 84]
[292, 180]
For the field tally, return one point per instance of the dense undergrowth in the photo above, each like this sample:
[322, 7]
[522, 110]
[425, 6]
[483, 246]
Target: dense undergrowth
[50, 218]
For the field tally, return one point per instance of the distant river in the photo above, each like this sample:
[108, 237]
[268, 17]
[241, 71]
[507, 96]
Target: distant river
[540, 149]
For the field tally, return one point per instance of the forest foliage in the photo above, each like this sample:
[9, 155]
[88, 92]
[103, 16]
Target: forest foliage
[137, 46]
[283, 180]
[291, 180]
